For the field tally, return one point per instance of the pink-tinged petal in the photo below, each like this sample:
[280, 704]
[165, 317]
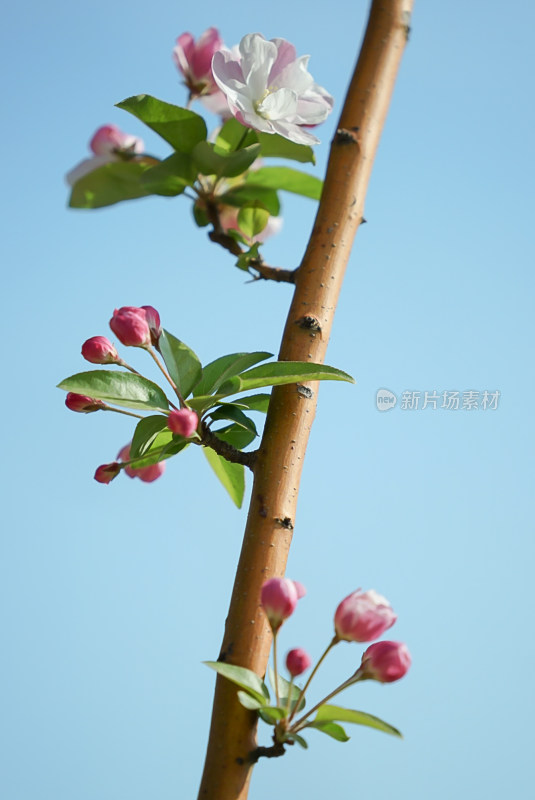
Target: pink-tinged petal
[285, 55]
[208, 44]
[294, 133]
[183, 52]
[228, 73]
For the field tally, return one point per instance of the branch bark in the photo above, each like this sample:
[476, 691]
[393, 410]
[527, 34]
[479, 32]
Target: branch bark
[278, 466]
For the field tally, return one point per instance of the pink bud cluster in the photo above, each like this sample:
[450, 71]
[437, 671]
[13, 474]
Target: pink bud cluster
[136, 327]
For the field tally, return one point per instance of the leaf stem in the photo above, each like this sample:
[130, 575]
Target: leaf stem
[311, 676]
[122, 363]
[301, 723]
[121, 411]
[181, 400]
[275, 670]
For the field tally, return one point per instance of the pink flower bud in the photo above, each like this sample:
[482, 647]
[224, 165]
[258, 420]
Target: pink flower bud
[385, 662]
[99, 350]
[297, 661]
[109, 139]
[82, 403]
[194, 60]
[363, 617]
[107, 472]
[131, 327]
[183, 421]
[279, 598]
[153, 319]
[145, 474]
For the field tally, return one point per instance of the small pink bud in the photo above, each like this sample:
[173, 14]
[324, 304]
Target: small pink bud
[279, 598]
[297, 661]
[82, 403]
[99, 350]
[153, 319]
[107, 472]
[130, 326]
[194, 60]
[385, 662]
[145, 474]
[109, 139]
[363, 617]
[183, 421]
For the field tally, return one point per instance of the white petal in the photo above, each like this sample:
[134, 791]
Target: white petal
[281, 104]
[293, 132]
[257, 58]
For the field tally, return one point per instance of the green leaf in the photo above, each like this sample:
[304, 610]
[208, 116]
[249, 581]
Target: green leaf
[328, 713]
[181, 128]
[284, 688]
[247, 195]
[271, 714]
[332, 729]
[119, 388]
[203, 402]
[209, 162]
[218, 371]
[277, 146]
[232, 412]
[183, 365]
[245, 259]
[254, 402]
[252, 220]
[242, 677]
[170, 177]
[200, 216]
[112, 183]
[232, 134]
[288, 180]
[281, 372]
[235, 435]
[231, 475]
[248, 701]
[145, 433]
[165, 445]
[295, 737]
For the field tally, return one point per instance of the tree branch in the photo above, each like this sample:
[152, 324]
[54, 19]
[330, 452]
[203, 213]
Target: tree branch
[266, 543]
[210, 439]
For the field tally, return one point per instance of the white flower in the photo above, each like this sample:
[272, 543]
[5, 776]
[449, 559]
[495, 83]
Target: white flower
[269, 89]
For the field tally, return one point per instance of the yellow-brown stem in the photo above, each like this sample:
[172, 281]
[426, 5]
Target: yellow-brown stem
[247, 638]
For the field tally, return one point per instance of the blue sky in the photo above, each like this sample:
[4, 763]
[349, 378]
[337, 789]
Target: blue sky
[112, 596]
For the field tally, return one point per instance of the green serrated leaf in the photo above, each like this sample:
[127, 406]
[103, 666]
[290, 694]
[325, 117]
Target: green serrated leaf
[248, 701]
[247, 195]
[232, 412]
[232, 134]
[218, 371]
[119, 388]
[183, 364]
[181, 128]
[271, 714]
[284, 688]
[242, 677]
[231, 475]
[277, 146]
[327, 713]
[210, 162]
[288, 180]
[112, 183]
[278, 373]
[332, 729]
[235, 435]
[170, 177]
[254, 402]
[145, 433]
[252, 220]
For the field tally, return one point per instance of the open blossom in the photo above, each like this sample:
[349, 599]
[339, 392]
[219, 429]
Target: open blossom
[145, 474]
[269, 88]
[385, 662]
[279, 598]
[108, 143]
[194, 60]
[363, 617]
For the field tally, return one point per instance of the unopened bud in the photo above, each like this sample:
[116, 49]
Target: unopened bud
[279, 598]
[297, 661]
[82, 403]
[363, 617]
[99, 350]
[131, 327]
[107, 472]
[183, 421]
[385, 662]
